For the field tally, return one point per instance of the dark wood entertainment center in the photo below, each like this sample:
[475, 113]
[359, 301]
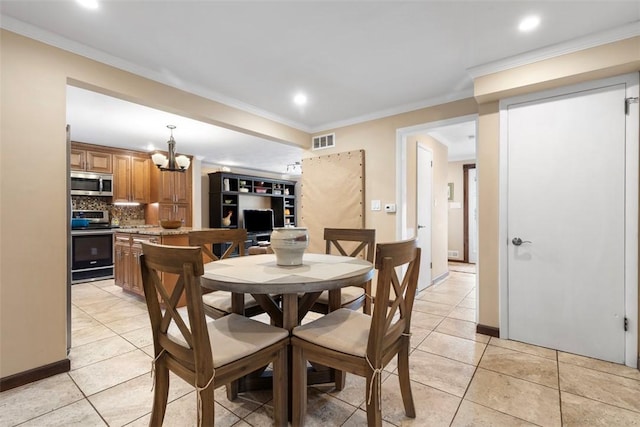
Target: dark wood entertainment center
[226, 191]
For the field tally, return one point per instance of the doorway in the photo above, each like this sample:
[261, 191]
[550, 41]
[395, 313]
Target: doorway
[406, 187]
[569, 212]
[470, 214]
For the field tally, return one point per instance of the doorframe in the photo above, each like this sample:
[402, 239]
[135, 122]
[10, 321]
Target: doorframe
[631, 206]
[402, 135]
[465, 210]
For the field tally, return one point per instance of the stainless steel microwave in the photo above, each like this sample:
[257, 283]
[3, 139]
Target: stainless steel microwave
[91, 184]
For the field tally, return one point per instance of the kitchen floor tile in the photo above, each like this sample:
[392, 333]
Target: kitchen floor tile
[133, 399]
[433, 407]
[456, 348]
[32, 400]
[425, 320]
[110, 372]
[325, 410]
[97, 351]
[522, 399]
[525, 348]
[78, 414]
[181, 412]
[462, 329]
[471, 414]
[141, 337]
[525, 366]
[91, 334]
[599, 365]
[606, 388]
[432, 307]
[440, 372]
[130, 323]
[462, 313]
[579, 411]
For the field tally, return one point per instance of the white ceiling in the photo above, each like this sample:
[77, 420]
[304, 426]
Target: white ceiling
[355, 60]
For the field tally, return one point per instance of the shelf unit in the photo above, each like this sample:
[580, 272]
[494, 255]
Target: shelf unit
[227, 189]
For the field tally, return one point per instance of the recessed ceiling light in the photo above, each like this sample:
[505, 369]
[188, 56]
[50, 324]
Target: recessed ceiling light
[300, 99]
[529, 23]
[150, 147]
[89, 4]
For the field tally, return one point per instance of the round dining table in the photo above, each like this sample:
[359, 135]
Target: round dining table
[300, 286]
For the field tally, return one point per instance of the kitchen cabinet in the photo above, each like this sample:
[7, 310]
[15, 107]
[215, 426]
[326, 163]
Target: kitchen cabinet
[230, 192]
[128, 249]
[131, 179]
[178, 212]
[90, 161]
[172, 193]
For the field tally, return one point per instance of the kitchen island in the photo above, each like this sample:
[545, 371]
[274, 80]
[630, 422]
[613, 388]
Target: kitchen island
[128, 248]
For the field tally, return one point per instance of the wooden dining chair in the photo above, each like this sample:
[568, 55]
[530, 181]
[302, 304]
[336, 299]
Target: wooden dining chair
[352, 242]
[204, 352]
[363, 345]
[218, 303]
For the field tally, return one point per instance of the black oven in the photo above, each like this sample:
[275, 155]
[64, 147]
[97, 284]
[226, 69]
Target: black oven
[91, 255]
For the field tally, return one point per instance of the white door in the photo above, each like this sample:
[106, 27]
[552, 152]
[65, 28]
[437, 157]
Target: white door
[566, 202]
[472, 211]
[424, 203]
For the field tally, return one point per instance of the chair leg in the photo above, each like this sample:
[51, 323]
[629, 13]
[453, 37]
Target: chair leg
[368, 299]
[299, 387]
[232, 390]
[160, 395]
[340, 377]
[208, 406]
[280, 389]
[405, 381]
[374, 412]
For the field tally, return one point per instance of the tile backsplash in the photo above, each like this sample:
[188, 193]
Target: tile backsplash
[123, 215]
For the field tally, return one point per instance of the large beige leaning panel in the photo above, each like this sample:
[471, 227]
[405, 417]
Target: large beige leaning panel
[332, 194]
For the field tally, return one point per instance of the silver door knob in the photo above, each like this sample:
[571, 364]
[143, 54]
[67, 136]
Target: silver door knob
[421, 226]
[518, 241]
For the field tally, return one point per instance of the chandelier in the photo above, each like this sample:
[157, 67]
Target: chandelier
[173, 163]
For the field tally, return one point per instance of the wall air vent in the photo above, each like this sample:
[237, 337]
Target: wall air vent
[321, 142]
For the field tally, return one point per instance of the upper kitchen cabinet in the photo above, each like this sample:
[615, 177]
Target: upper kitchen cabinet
[89, 160]
[170, 187]
[131, 178]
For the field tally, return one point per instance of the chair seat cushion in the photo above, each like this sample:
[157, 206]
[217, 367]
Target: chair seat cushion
[343, 330]
[347, 295]
[221, 300]
[232, 337]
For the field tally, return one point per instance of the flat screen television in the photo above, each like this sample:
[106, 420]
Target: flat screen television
[258, 220]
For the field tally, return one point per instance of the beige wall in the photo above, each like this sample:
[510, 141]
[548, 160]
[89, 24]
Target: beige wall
[603, 61]
[33, 242]
[439, 219]
[378, 139]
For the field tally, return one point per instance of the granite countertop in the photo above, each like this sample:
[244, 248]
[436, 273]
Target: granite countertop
[151, 230]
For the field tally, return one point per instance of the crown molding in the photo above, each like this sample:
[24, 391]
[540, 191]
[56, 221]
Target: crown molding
[454, 96]
[27, 30]
[597, 39]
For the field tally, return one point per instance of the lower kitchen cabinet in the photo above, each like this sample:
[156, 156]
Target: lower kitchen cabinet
[128, 249]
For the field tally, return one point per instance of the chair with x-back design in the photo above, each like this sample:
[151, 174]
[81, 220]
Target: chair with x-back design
[204, 352]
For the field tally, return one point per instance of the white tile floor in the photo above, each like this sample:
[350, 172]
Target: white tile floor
[459, 377]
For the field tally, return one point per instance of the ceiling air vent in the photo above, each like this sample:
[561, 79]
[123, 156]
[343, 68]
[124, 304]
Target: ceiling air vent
[321, 142]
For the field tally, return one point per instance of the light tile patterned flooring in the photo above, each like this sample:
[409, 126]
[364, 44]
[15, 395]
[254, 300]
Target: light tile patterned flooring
[459, 378]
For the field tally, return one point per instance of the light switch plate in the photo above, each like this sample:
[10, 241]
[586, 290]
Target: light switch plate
[375, 205]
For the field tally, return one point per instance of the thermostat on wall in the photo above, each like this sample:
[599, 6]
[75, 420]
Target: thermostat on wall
[390, 207]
